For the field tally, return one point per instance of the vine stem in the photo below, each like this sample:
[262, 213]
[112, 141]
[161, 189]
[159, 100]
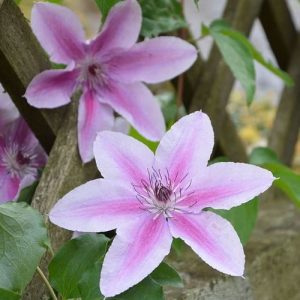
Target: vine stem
[47, 283]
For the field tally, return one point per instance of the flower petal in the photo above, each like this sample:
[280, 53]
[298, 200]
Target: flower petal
[186, 147]
[59, 32]
[8, 111]
[153, 61]
[121, 28]
[212, 238]
[225, 185]
[93, 117]
[121, 157]
[138, 106]
[135, 252]
[20, 134]
[52, 88]
[98, 205]
[9, 186]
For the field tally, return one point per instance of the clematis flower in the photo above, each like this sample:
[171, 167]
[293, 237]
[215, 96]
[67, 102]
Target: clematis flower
[151, 198]
[20, 153]
[8, 112]
[109, 70]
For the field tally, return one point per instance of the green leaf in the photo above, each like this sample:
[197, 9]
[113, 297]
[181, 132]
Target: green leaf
[8, 295]
[258, 56]
[218, 159]
[151, 145]
[242, 218]
[287, 180]
[77, 257]
[145, 290]
[55, 1]
[235, 48]
[178, 245]
[161, 16]
[27, 193]
[240, 61]
[23, 241]
[262, 155]
[89, 283]
[166, 275]
[105, 6]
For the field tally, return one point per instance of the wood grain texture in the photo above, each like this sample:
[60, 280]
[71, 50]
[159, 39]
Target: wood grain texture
[21, 58]
[285, 130]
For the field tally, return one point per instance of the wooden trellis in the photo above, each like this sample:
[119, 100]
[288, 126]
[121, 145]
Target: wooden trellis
[210, 83]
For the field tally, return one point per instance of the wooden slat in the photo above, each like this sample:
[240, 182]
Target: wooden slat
[21, 58]
[281, 33]
[284, 133]
[280, 30]
[229, 140]
[214, 87]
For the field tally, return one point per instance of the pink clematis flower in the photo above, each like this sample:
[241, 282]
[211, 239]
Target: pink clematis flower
[150, 198]
[108, 70]
[20, 153]
[8, 112]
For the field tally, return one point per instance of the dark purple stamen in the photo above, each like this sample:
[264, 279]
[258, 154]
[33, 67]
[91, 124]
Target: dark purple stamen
[162, 193]
[22, 160]
[93, 69]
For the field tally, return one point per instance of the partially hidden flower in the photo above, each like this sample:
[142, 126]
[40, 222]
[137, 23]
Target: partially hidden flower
[109, 70]
[21, 156]
[8, 111]
[151, 198]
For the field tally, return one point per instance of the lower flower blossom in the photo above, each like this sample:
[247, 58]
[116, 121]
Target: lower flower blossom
[151, 198]
[21, 156]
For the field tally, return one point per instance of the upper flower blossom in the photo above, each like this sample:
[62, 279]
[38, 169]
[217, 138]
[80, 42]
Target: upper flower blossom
[20, 153]
[150, 198]
[109, 70]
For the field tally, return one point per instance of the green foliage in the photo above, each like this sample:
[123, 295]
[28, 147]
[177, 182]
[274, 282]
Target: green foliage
[152, 145]
[72, 269]
[178, 246]
[23, 241]
[105, 6]
[287, 180]
[239, 54]
[242, 218]
[263, 155]
[238, 58]
[9, 295]
[145, 290]
[166, 275]
[89, 283]
[27, 193]
[161, 16]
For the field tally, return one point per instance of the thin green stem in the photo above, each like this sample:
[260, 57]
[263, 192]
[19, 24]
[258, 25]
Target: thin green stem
[49, 287]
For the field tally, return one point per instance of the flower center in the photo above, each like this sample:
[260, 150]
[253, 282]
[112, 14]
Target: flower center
[94, 70]
[17, 161]
[92, 74]
[22, 160]
[160, 194]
